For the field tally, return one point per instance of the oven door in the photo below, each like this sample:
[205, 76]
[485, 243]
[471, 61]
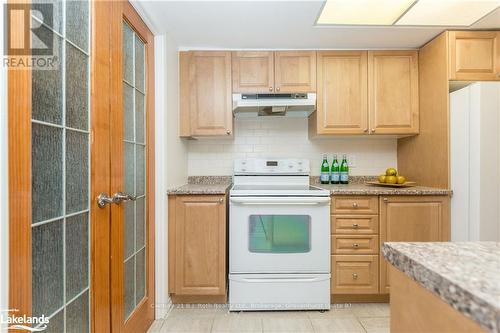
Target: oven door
[279, 235]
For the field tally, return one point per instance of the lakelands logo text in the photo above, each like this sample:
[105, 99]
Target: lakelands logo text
[23, 323]
[30, 37]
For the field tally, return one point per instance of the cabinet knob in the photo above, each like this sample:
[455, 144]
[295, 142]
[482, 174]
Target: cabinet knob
[365, 130]
[228, 132]
[270, 88]
[355, 245]
[278, 89]
[354, 276]
[221, 200]
[373, 130]
[355, 225]
[354, 205]
[385, 199]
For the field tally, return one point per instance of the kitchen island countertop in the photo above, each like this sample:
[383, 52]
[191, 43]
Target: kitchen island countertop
[465, 275]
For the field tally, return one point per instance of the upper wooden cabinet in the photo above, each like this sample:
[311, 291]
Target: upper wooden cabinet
[342, 94]
[205, 94]
[393, 92]
[274, 72]
[474, 55]
[197, 246]
[253, 72]
[366, 92]
[412, 219]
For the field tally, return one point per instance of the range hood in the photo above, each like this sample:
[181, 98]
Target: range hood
[288, 105]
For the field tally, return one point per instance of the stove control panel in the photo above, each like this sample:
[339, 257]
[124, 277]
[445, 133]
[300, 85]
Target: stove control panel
[257, 166]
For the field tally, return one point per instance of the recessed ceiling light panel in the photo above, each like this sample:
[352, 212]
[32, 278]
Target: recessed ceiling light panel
[363, 12]
[447, 12]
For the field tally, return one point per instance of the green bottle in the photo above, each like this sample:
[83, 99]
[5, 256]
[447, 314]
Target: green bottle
[335, 170]
[344, 170]
[325, 171]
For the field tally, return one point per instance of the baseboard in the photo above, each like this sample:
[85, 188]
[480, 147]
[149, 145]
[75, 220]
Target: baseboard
[336, 299]
[198, 299]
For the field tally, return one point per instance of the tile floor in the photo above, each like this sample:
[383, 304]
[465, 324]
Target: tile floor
[342, 318]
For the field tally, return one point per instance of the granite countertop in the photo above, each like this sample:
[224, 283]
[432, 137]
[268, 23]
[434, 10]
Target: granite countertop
[466, 275]
[357, 186]
[203, 185]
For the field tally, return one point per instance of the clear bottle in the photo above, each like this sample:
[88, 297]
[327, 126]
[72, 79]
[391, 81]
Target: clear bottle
[335, 170]
[344, 170]
[325, 171]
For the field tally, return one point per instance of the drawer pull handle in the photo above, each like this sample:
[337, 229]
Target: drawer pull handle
[355, 205]
[355, 245]
[355, 225]
[354, 276]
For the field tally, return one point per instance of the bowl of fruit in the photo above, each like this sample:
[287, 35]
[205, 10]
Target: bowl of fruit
[392, 178]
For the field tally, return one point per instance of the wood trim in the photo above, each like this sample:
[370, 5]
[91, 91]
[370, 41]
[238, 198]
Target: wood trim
[431, 146]
[100, 176]
[199, 299]
[415, 309]
[19, 152]
[184, 103]
[354, 298]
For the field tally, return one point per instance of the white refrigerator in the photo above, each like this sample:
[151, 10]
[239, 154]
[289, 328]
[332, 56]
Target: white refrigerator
[475, 162]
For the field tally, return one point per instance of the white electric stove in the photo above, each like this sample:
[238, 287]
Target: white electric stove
[279, 237]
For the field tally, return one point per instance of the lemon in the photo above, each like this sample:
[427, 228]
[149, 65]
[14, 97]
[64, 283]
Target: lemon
[401, 180]
[381, 178]
[391, 180]
[391, 172]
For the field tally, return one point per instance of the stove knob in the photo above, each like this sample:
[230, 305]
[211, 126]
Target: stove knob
[290, 166]
[243, 162]
[300, 170]
[243, 169]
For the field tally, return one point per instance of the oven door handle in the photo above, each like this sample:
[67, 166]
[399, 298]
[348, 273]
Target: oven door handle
[313, 201]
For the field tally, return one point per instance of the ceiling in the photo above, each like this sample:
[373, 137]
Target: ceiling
[275, 25]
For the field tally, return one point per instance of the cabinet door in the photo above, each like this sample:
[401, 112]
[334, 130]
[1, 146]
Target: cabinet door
[411, 219]
[206, 94]
[342, 106]
[393, 92]
[253, 72]
[474, 55]
[200, 245]
[295, 71]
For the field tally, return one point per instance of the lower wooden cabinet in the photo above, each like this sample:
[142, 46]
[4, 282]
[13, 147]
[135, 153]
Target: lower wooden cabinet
[412, 219]
[354, 274]
[197, 247]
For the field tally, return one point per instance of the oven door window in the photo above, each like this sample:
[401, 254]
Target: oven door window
[279, 233]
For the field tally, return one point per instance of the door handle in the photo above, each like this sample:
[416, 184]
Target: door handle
[103, 199]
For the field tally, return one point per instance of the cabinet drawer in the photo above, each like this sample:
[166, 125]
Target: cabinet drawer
[354, 244]
[356, 274]
[354, 224]
[355, 205]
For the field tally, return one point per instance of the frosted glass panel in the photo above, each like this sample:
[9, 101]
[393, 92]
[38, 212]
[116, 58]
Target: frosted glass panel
[129, 282]
[140, 275]
[52, 14]
[77, 254]
[77, 167]
[77, 314]
[128, 112]
[140, 170]
[128, 54]
[56, 324]
[77, 22]
[129, 229]
[139, 64]
[129, 161]
[46, 94]
[140, 218]
[77, 90]
[47, 172]
[47, 268]
[139, 117]
[279, 233]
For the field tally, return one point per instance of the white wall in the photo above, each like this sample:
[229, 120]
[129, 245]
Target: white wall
[4, 222]
[171, 157]
[287, 137]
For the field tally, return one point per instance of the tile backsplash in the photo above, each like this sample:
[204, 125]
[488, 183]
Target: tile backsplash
[287, 138]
